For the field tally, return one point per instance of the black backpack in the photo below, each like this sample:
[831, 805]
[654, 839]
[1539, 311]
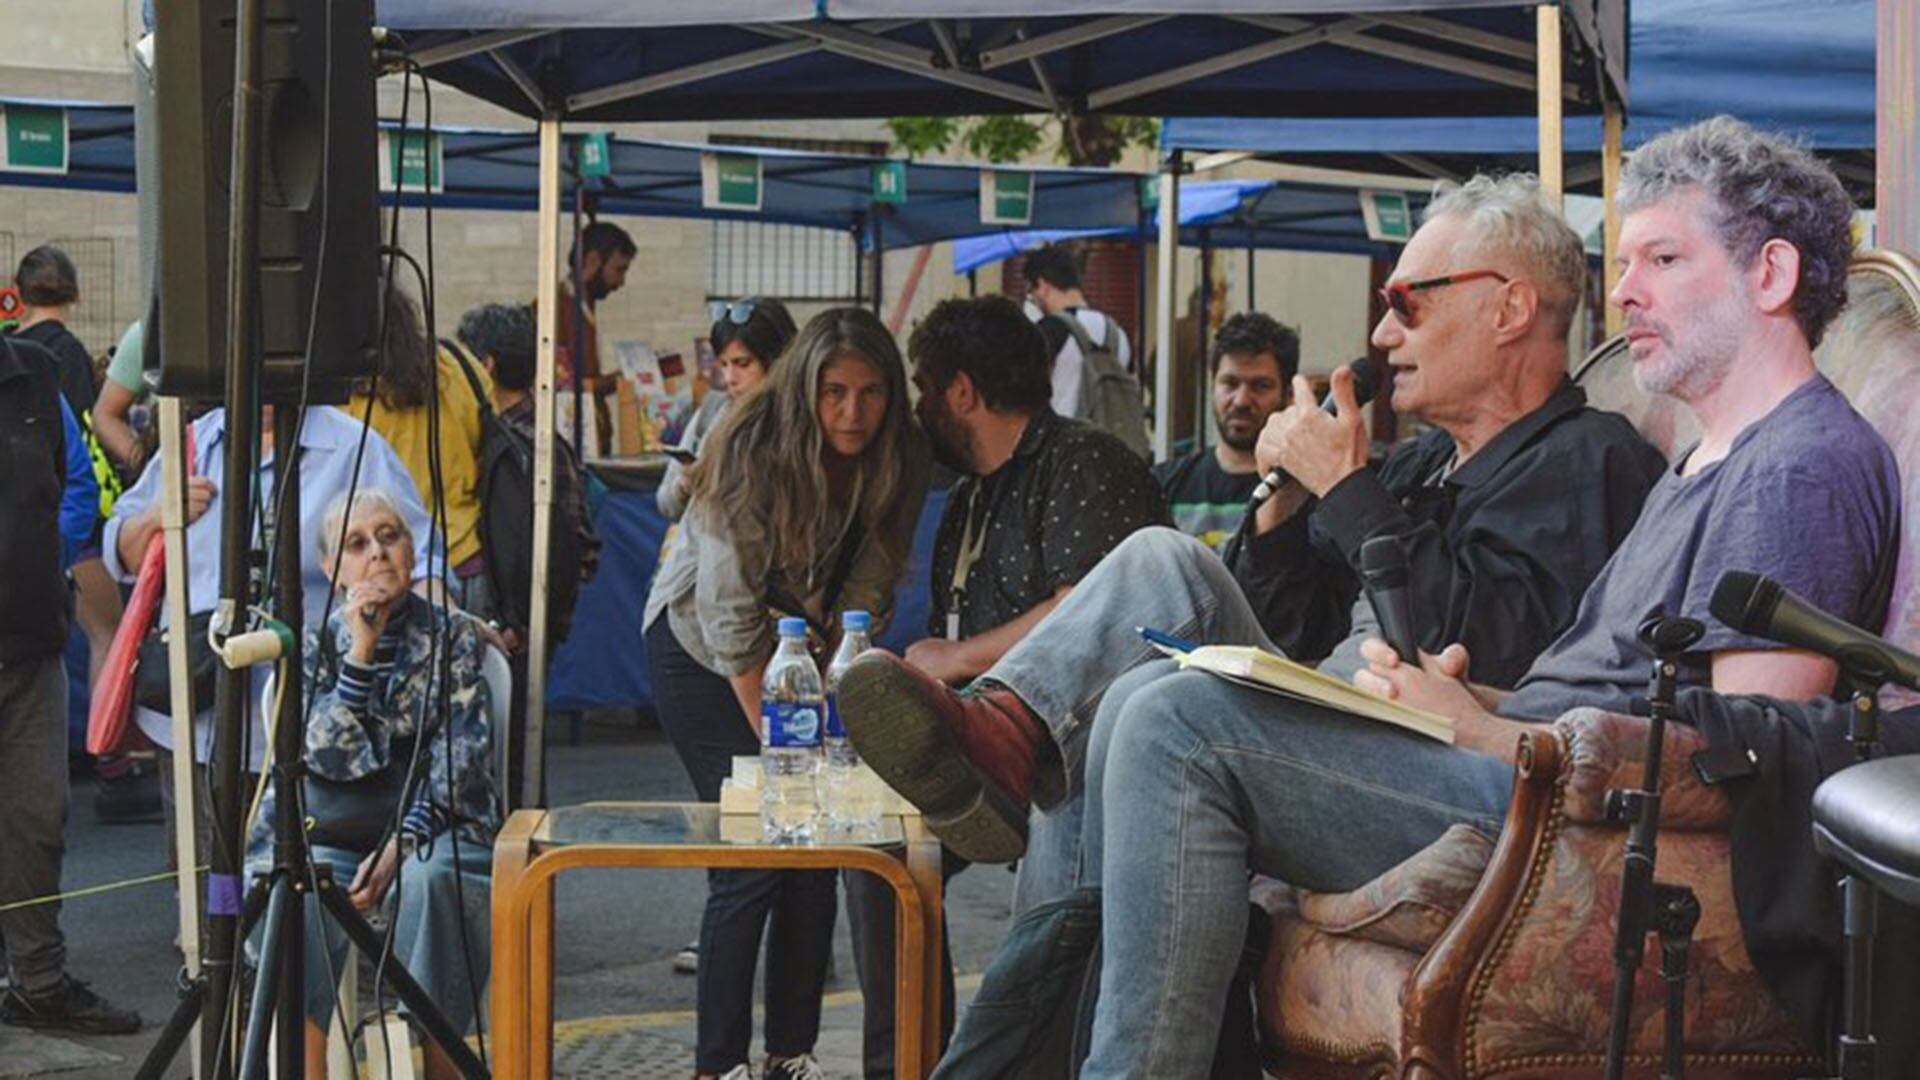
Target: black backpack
[505, 490]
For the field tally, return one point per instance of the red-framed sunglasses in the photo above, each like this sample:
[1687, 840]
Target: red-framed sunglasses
[1398, 295]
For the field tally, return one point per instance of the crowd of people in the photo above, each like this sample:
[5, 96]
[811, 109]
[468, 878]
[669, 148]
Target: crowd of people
[1029, 722]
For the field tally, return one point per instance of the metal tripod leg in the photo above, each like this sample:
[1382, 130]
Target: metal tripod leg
[334, 904]
[193, 997]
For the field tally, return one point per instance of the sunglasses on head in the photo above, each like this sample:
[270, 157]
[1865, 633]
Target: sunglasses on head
[740, 311]
[1398, 295]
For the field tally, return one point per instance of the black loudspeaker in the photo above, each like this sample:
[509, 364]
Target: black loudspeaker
[319, 215]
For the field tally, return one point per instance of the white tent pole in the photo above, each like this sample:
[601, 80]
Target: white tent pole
[1169, 251]
[547, 319]
[1896, 110]
[1547, 92]
[173, 525]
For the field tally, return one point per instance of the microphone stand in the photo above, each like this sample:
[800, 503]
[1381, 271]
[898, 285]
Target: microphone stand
[1859, 905]
[1671, 910]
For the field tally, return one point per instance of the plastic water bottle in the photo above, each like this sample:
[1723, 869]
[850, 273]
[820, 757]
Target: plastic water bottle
[792, 716]
[851, 796]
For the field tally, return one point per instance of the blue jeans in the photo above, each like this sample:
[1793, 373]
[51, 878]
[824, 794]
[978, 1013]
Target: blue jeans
[1067, 665]
[1195, 782]
[432, 936]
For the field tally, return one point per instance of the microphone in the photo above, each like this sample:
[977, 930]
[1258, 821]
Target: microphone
[1383, 572]
[1755, 604]
[1366, 383]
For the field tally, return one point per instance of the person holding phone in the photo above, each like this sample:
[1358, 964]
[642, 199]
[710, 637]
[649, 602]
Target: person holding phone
[804, 504]
[747, 338]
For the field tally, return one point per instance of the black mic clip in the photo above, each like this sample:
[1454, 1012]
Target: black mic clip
[1669, 636]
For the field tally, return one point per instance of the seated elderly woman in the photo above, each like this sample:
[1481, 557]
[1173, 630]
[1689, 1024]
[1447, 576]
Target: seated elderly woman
[376, 720]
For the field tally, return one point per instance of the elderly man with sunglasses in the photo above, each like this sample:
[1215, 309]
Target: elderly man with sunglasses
[1508, 508]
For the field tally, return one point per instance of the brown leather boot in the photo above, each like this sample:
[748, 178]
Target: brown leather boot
[965, 758]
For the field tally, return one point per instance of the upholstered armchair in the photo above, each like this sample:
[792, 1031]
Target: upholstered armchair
[1492, 957]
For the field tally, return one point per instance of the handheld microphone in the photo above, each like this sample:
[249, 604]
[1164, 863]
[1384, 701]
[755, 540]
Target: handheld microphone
[1383, 572]
[1366, 383]
[1755, 604]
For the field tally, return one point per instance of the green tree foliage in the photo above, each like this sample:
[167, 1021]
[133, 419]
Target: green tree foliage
[1080, 140]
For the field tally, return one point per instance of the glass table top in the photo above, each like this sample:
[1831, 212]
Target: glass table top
[683, 824]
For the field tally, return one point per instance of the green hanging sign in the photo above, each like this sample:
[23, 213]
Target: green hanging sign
[412, 160]
[596, 155]
[890, 182]
[730, 182]
[1006, 197]
[36, 138]
[1387, 216]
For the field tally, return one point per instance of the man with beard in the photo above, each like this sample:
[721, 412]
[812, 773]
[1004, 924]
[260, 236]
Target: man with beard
[1733, 255]
[1254, 362]
[1042, 499]
[1507, 509]
[605, 252]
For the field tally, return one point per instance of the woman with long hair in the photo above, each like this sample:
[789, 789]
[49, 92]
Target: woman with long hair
[803, 504]
[747, 338]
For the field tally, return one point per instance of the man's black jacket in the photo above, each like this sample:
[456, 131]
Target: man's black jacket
[1499, 550]
[1787, 895]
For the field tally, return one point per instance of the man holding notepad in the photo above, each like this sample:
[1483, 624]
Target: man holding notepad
[1733, 258]
[1508, 509]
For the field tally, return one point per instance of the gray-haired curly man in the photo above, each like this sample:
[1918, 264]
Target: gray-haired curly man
[1733, 257]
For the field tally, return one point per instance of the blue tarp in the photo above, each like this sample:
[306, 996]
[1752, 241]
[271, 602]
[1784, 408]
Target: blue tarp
[1803, 68]
[1220, 213]
[603, 664]
[647, 60]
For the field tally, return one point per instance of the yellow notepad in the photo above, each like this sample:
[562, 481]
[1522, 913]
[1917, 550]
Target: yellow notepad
[1262, 670]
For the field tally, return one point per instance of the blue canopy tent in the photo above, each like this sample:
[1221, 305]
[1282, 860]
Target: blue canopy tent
[604, 60]
[1768, 61]
[588, 60]
[1219, 213]
[99, 147]
[500, 170]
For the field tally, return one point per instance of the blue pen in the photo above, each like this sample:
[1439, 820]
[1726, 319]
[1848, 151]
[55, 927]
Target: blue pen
[1165, 640]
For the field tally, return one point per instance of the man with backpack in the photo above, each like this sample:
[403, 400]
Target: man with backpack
[1093, 377]
[500, 337]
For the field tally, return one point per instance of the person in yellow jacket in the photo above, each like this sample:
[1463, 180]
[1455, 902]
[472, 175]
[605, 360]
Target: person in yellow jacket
[414, 372]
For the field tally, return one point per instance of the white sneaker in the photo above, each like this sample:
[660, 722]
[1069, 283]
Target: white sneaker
[687, 961]
[803, 1067]
[738, 1072]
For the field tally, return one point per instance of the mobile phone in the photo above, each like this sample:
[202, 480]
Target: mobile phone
[684, 457]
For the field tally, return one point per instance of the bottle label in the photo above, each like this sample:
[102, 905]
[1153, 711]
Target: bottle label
[791, 724]
[836, 728]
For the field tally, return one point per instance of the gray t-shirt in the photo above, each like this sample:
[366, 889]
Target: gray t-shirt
[1809, 495]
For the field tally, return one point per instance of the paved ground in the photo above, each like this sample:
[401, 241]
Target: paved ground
[623, 1011]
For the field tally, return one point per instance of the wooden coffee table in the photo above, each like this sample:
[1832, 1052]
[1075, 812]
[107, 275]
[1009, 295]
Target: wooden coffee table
[537, 846]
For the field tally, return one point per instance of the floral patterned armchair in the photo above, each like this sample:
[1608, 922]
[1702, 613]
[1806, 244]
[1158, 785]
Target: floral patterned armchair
[1483, 957]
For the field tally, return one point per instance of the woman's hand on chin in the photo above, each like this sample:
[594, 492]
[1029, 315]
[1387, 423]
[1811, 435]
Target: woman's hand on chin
[369, 604]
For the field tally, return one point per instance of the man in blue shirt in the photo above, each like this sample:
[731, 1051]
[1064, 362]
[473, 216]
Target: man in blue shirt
[47, 499]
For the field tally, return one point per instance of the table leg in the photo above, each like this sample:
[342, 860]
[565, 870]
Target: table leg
[910, 981]
[511, 851]
[540, 984]
[924, 864]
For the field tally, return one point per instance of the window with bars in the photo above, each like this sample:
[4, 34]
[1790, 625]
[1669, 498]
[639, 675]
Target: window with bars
[787, 262]
[92, 320]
